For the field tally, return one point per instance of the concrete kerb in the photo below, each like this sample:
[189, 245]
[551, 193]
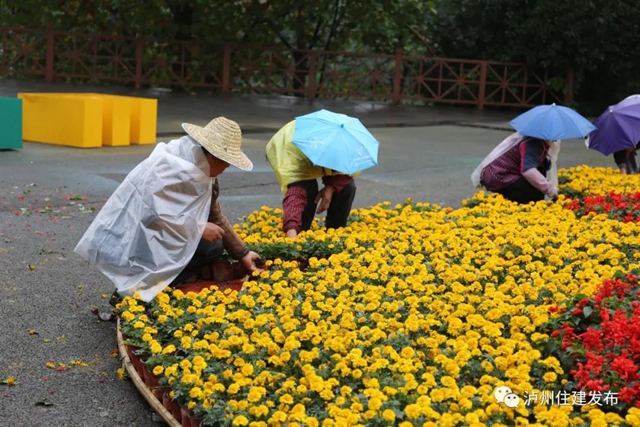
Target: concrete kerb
[260, 130]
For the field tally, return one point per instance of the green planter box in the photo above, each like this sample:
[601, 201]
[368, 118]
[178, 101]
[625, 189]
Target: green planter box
[10, 123]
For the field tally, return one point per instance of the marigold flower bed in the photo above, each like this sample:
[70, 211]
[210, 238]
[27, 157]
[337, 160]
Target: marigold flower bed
[414, 315]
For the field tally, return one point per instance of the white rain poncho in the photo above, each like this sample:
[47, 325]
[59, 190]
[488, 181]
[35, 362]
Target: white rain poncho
[500, 149]
[150, 227]
[505, 145]
[554, 150]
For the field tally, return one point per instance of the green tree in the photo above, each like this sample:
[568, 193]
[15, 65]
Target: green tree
[596, 38]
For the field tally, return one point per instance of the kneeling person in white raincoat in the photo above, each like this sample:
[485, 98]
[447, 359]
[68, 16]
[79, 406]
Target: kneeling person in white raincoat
[164, 222]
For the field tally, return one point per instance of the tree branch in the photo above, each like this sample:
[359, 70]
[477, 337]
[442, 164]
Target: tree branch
[423, 39]
[275, 29]
[314, 38]
[334, 24]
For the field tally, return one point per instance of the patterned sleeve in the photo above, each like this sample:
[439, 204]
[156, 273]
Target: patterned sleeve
[293, 205]
[337, 181]
[232, 243]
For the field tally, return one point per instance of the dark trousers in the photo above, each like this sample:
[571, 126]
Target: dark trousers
[521, 191]
[339, 209]
[205, 254]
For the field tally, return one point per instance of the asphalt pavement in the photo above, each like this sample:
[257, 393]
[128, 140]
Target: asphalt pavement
[50, 194]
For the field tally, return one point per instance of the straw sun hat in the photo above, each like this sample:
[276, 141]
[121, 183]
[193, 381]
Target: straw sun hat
[222, 138]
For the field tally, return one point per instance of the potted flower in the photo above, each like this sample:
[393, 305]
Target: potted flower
[156, 365]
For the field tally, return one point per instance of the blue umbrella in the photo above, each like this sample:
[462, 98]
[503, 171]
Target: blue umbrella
[552, 122]
[335, 141]
[618, 127]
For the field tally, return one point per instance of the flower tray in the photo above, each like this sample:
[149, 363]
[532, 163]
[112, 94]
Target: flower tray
[222, 271]
[235, 285]
[142, 387]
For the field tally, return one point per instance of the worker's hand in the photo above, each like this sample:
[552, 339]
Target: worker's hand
[292, 233]
[324, 196]
[249, 261]
[212, 232]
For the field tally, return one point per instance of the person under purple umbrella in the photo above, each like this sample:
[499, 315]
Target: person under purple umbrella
[626, 160]
[618, 132]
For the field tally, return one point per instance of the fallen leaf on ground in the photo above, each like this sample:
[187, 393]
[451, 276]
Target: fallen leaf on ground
[122, 374]
[43, 402]
[33, 332]
[32, 267]
[10, 381]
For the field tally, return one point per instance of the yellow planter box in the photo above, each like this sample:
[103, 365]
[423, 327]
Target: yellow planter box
[142, 121]
[124, 119]
[116, 121]
[62, 119]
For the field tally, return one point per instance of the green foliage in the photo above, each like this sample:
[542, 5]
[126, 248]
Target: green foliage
[596, 38]
[322, 24]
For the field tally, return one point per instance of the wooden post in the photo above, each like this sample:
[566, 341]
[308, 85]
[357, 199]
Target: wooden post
[311, 79]
[397, 77]
[50, 53]
[226, 69]
[483, 85]
[139, 59]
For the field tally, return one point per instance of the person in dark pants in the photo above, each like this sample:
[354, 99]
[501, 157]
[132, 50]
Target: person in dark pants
[626, 161]
[298, 179]
[519, 173]
[302, 197]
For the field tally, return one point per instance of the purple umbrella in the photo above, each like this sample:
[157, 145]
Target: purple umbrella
[618, 128]
[629, 100]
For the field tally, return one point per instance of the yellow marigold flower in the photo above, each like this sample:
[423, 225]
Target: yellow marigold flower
[278, 416]
[389, 415]
[170, 349]
[196, 393]
[256, 393]
[287, 399]
[240, 420]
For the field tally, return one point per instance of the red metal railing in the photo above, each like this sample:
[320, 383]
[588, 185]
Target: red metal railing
[55, 55]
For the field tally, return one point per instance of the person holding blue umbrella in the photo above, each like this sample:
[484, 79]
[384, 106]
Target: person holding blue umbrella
[326, 145]
[517, 168]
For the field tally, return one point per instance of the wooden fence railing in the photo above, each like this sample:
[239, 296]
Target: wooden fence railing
[57, 56]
